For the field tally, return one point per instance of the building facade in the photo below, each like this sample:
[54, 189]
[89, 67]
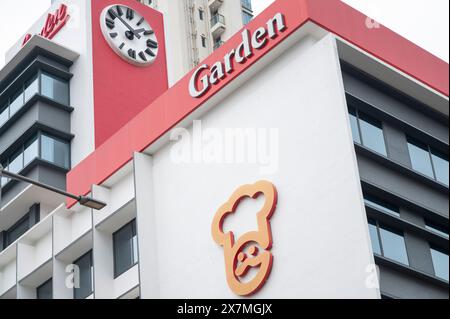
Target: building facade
[195, 28]
[305, 157]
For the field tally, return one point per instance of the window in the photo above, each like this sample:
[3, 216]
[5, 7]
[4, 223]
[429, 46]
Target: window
[17, 230]
[55, 151]
[22, 225]
[45, 291]
[52, 150]
[16, 102]
[16, 162]
[379, 204]
[201, 14]
[440, 263]
[247, 4]
[86, 268]
[55, 89]
[436, 228]
[246, 17]
[31, 150]
[51, 87]
[388, 242]
[203, 41]
[31, 88]
[428, 161]
[125, 248]
[4, 113]
[367, 131]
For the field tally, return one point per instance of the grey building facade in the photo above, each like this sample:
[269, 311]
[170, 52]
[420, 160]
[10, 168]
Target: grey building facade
[402, 152]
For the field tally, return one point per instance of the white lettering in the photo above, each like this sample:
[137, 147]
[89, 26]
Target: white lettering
[199, 85]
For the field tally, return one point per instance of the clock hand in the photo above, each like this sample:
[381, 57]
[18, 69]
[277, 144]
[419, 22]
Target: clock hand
[126, 24]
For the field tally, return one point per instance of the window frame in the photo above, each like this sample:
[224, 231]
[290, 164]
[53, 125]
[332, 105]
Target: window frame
[21, 87]
[360, 135]
[439, 250]
[134, 233]
[393, 230]
[42, 285]
[91, 260]
[23, 146]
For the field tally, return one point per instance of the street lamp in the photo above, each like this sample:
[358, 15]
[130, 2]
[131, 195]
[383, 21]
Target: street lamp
[83, 200]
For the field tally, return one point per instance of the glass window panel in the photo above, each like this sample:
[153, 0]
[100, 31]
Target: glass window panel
[440, 263]
[55, 89]
[4, 114]
[374, 237]
[45, 291]
[16, 102]
[381, 205]
[420, 158]
[440, 163]
[16, 162]
[18, 230]
[393, 245]
[55, 151]
[4, 180]
[354, 125]
[124, 249]
[31, 88]
[436, 228]
[246, 17]
[31, 151]
[85, 266]
[372, 134]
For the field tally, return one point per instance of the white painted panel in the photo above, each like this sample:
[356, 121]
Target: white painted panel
[321, 244]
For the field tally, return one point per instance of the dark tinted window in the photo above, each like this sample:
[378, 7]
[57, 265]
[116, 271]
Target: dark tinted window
[18, 229]
[86, 270]
[125, 248]
[45, 291]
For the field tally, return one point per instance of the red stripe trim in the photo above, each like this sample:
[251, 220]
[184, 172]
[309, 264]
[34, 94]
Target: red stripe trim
[174, 105]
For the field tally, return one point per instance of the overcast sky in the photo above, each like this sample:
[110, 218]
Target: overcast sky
[425, 22]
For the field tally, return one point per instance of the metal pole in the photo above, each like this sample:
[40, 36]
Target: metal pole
[21, 178]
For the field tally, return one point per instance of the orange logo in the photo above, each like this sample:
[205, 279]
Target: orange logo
[242, 255]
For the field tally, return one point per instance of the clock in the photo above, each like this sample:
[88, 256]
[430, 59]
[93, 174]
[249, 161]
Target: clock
[129, 34]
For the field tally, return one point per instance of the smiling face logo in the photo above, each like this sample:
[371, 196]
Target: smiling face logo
[252, 249]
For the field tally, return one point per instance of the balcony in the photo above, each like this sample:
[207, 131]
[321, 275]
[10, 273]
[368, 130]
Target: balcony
[217, 25]
[214, 5]
[218, 44]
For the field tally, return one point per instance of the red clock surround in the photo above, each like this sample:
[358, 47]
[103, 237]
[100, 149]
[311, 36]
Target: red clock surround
[122, 90]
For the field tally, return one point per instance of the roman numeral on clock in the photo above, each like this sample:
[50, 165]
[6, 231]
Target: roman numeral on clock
[152, 44]
[130, 14]
[150, 52]
[119, 11]
[142, 56]
[110, 23]
[132, 53]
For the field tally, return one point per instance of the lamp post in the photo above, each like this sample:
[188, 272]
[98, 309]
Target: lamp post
[83, 200]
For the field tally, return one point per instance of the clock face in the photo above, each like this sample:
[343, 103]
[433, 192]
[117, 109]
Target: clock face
[129, 35]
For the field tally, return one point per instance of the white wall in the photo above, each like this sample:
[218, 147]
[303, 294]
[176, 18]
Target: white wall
[321, 245]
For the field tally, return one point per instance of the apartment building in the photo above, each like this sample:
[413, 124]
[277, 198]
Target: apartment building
[303, 158]
[195, 28]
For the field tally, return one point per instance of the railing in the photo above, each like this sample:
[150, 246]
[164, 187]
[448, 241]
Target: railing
[217, 18]
[218, 44]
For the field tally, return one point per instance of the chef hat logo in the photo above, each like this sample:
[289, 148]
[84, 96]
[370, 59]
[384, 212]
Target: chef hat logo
[244, 253]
